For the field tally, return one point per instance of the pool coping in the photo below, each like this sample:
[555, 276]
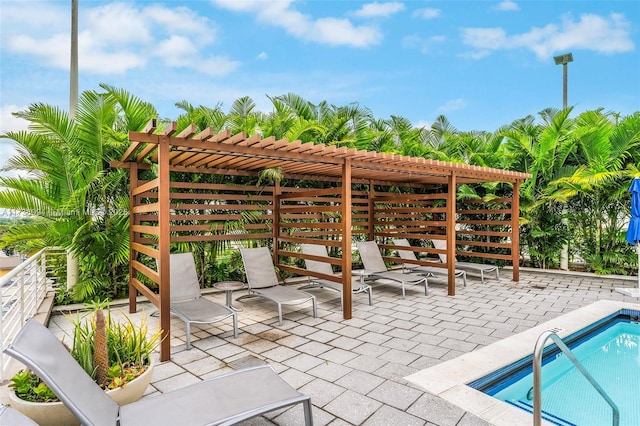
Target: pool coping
[449, 379]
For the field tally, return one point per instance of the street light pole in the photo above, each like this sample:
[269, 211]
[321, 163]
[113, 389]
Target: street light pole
[72, 260]
[73, 74]
[564, 60]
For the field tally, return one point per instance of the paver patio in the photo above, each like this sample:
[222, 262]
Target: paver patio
[354, 369]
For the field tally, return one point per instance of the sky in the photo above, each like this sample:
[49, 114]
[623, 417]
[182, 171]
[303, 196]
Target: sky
[482, 64]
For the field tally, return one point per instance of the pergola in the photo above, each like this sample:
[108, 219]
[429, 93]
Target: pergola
[404, 197]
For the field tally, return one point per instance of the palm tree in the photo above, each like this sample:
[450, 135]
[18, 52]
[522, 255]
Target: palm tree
[81, 203]
[596, 187]
[543, 150]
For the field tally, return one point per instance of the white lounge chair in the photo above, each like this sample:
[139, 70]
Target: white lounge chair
[430, 271]
[374, 263]
[468, 266]
[222, 400]
[357, 284]
[263, 282]
[187, 302]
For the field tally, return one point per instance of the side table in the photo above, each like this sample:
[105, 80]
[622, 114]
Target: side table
[363, 273]
[228, 287]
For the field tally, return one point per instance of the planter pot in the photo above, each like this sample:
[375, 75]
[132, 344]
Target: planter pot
[56, 414]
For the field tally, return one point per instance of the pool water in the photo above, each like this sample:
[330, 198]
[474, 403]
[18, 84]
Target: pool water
[609, 350]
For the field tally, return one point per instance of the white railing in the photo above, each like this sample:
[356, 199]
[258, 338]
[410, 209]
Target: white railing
[22, 291]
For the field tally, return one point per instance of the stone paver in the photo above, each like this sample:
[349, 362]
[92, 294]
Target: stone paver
[354, 369]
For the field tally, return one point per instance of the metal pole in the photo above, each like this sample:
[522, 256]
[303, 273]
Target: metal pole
[564, 85]
[564, 254]
[72, 259]
[73, 75]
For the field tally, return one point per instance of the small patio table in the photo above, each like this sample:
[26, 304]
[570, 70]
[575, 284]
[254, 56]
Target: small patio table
[228, 287]
[363, 273]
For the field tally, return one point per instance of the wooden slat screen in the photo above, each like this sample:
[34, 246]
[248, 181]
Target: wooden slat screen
[416, 217]
[484, 229]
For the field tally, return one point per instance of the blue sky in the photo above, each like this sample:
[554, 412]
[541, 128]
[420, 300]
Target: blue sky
[482, 64]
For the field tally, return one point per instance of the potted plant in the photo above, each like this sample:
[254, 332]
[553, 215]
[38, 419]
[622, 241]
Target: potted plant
[116, 354]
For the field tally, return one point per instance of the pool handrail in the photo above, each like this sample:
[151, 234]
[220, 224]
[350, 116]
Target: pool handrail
[537, 376]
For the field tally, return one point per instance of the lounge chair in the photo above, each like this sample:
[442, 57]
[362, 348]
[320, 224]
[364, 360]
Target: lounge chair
[221, 400]
[12, 417]
[357, 284]
[429, 271]
[187, 302]
[373, 262]
[263, 282]
[467, 266]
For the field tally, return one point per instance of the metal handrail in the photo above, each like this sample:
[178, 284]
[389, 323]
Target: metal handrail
[537, 377]
[22, 291]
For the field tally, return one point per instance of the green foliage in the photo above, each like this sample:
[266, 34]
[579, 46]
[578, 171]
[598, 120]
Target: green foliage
[28, 386]
[130, 347]
[76, 200]
[580, 170]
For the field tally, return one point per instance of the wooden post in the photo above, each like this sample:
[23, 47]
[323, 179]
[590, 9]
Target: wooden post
[164, 206]
[371, 215]
[277, 191]
[346, 240]
[515, 231]
[133, 220]
[451, 234]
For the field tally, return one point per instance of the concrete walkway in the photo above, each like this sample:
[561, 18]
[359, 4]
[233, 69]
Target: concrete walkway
[354, 369]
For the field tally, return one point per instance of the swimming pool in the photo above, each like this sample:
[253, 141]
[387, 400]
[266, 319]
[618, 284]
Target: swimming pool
[609, 349]
[450, 379]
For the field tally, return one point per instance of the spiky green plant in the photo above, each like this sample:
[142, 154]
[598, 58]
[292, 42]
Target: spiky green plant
[129, 354]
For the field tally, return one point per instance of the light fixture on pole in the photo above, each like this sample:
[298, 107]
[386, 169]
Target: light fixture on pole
[564, 60]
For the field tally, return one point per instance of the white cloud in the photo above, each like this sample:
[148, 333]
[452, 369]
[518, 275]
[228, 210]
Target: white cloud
[117, 24]
[216, 65]
[331, 31]
[337, 32]
[476, 54]
[177, 50]
[182, 20]
[10, 123]
[118, 37]
[427, 13]
[423, 124]
[249, 5]
[379, 10]
[485, 38]
[49, 17]
[424, 45]
[262, 56]
[507, 5]
[452, 105]
[605, 35]
[54, 51]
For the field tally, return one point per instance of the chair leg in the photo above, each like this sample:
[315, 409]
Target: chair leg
[279, 314]
[464, 278]
[370, 296]
[188, 335]
[482, 276]
[308, 416]
[315, 308]
[497, 274]
[403, 291]
[426, 286]
[235, 325]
